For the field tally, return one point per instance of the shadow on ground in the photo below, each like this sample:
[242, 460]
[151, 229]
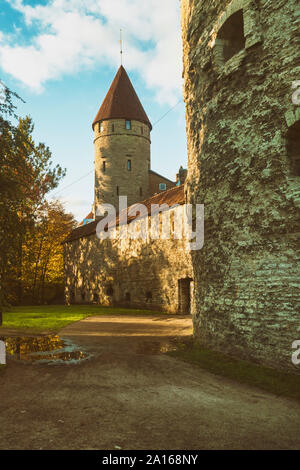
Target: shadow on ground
[131, 396]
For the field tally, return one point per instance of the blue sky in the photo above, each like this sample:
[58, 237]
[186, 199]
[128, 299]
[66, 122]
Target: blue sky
[61, 57]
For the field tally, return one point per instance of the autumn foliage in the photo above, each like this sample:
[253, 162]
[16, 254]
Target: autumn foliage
[31, 229]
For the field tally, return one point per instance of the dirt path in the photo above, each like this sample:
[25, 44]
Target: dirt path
[129, 395]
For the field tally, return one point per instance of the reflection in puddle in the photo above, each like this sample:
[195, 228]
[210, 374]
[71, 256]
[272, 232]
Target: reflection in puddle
[44, 349]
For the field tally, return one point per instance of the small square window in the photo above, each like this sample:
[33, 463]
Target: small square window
[129, 165]
[162, 186]
[128, 124]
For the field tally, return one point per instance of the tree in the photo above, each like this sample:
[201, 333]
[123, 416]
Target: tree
[26, 176]
[42, 267]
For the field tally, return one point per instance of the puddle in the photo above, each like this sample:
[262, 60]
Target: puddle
[152, 348]
[44, 349]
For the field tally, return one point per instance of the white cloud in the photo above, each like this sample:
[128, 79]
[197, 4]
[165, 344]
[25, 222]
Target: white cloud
[75, 34]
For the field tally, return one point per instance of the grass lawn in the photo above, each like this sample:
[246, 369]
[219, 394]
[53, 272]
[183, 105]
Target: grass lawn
[55, 317]
[270, 380]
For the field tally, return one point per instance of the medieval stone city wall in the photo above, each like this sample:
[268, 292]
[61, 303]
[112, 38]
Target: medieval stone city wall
[243, 136]
[152, 274]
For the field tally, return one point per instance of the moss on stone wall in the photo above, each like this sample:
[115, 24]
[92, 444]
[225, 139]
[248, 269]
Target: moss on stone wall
[238, 116]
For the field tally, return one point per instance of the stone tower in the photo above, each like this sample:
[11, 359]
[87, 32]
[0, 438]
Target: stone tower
[241, 58]
[122, 145]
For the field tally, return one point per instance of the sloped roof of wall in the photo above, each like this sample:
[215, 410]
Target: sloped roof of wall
[161, 176]
[122, 102]
[171, 197]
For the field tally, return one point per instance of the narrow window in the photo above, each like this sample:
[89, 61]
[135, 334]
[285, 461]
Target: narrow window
[110, 291]
[113, 128]
[117, 190]
[293, 148]
[128, 124]
[127, 296]
[129, 165]
[103, 167]
[231, 35]
[100, 126]
[162, 186]
[141, 191]
[148, 296]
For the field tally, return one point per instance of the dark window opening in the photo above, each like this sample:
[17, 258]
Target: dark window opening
[129, 165]
[82, 295]
[293, 148]
[148, 296]
[117, 190]
[173, 225]
[110, 291]
[113, 128]
[127, 124]
[232, 35]
[104, 166]
[127, 297]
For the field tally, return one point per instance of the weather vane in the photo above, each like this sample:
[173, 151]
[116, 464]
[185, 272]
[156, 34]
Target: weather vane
[121, 47]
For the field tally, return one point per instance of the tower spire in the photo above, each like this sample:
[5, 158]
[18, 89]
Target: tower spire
[121, 46]
[122, 102]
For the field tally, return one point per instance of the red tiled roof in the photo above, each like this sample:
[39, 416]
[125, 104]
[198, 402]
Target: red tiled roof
[122, 102]
[172, 196]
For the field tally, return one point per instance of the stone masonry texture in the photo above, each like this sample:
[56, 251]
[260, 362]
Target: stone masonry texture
[130, 272]
[114, 146]
[239, 110]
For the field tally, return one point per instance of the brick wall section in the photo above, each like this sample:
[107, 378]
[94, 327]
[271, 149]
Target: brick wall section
[238, 114]
[116, 145]
[147, 270]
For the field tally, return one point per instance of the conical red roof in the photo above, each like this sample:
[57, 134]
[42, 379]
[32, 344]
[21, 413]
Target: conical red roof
[121, 101]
